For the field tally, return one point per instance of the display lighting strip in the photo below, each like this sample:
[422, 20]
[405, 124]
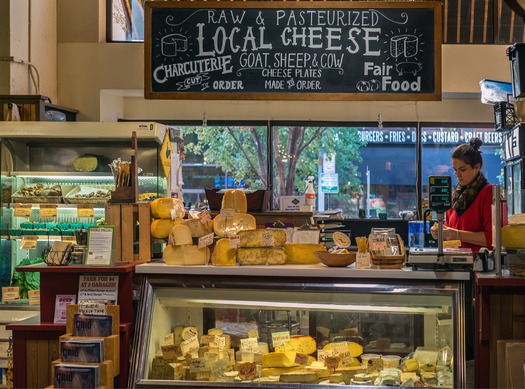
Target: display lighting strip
[301, 306]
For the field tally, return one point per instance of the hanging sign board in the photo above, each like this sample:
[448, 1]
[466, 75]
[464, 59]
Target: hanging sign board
[293, 50]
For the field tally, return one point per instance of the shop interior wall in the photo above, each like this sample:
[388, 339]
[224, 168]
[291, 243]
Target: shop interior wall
[105, 81]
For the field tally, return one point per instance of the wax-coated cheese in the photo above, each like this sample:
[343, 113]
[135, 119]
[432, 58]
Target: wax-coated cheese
[261, 256]
[279, 359]
[186, 255]
[180, 235]
[355, 349]
[261, 238]
[223, 254]
[236, 200]
[161, 228]
[301, 344]
[167, 208]
[302, 253]
[224, 227]
[197, 228]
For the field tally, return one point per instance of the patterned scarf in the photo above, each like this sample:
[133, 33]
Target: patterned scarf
[463, 196]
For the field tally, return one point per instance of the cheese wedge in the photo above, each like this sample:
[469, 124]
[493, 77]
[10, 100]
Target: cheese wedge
[302, 253]
[300, 377]
[301, 344]
[279, 359]
[186, 255]
[236, 200]
[262, 238]
[167, 208]
[161, 228]
[180, 235]
[223, 254]
[355, 349]
[224, 227]
[277, 371]
[197, 228]
[261, 256]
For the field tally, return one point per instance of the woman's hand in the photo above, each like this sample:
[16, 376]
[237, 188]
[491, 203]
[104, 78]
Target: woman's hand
[448, 233]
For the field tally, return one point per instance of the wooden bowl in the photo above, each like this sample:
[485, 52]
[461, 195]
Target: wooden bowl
[335, 260]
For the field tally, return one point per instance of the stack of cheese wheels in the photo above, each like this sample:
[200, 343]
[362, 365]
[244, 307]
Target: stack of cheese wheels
[180, 249]
[261, 247]
[230, 223]
[199, 227]
[166, 212]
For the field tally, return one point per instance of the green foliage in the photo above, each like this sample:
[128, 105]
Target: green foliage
[242, 152]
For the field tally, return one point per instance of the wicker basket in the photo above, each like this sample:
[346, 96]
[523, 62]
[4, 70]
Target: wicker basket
[71, 198]
[19, 198]
[390, 261]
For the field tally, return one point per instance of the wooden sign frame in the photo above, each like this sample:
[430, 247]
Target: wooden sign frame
[372, 86]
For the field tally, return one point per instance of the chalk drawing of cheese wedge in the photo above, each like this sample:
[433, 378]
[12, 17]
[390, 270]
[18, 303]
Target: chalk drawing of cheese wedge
[173, 44]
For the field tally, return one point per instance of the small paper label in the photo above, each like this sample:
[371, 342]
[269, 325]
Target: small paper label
[34, 297]
[204, 217]
[85, 210]
[220, 342]
[205, 240]
[280, 338]
[29, 242]
[250, 345]
[235, 241]
[10, 293]
[198, 364]
[69, 239]
[227, 213]
[267, 239]
[22, 210]
[190, 346]
[92, 308]
[48, 210]
[322, 354]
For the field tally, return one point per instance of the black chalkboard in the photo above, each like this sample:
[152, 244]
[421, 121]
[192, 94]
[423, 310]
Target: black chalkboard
[293, 50]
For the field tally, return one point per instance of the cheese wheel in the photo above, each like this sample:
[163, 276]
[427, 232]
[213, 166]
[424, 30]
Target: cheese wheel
[236, 200]
[167, 208]
[161, 228]
[301, 344]
[279, 359]
[261, 256]
[186, 255]
[302, 253]
[224, 227]
[197, 228]
[180, 235]
[355, 349]
[261, 238]
[223, 254]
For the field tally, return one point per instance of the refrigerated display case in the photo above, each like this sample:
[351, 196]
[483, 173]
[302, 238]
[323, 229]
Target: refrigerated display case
[514, 154]
[393, 314]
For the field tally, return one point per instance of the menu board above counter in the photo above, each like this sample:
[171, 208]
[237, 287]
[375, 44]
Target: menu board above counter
[293, 50]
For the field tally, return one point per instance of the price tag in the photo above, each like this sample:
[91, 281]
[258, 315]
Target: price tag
[204, 217]
[29, 242]
[34, 297]
[85, 210]
[69, 239]
[22, 210]
[190, 346]
[280, 338]
[48, 210]
[267, 239]
[227, 213]
[235, 241]
[205, 240]
[10, 293]
[198, 365]
[249, 344]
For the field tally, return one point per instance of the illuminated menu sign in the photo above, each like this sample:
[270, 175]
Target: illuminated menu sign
[440, 193]
[429, 135]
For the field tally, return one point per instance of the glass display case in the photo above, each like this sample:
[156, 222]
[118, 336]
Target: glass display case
[262, 326]
[65, 165]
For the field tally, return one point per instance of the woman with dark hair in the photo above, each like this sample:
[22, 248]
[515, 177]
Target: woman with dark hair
[470, 218]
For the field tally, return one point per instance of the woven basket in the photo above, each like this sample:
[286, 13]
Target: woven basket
[390, 261]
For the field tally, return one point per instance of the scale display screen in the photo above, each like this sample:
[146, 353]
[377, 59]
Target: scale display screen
[440, 193]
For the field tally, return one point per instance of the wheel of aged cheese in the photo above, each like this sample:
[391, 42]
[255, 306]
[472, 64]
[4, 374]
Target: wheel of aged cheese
[236, 200]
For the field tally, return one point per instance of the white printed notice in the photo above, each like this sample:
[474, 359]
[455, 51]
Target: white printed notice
[101, 288]
[61, 303]
[100, 246]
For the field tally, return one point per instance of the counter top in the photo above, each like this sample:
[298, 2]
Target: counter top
[313, 271]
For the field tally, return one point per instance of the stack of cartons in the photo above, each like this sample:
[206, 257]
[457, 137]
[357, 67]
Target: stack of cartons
[89, 351]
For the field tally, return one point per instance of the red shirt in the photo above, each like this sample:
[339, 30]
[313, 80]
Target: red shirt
[477, 217]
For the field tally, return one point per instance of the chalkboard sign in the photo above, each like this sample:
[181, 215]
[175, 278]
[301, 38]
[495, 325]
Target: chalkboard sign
[293, 50]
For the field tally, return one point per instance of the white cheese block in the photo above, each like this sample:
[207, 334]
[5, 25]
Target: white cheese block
[262, 238]
[261, 256]
[224, 227]
[186, 255]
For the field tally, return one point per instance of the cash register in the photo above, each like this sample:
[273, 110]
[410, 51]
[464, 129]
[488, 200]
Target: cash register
[439, 258]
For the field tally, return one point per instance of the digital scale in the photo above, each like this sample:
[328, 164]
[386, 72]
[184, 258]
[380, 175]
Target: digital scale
[437, 258]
